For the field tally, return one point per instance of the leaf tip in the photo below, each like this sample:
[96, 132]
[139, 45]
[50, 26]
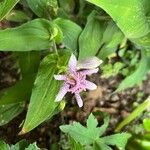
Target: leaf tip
[23, 131]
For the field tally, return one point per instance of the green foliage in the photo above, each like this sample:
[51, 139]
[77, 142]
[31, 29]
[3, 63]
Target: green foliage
[43, 8]
[139, 142]
[91, 36]
[137, 76]
[99, 37]
[19, 92]
[111, 70]
[28, 62]
[32, 147]
[146, 124]
[8, 112]
[3, 146]
[6, 6]
[90, 134]
[17, 16]
[21, 145]
[142, 107]
[34, 35]
[131, 20]
[44, 91]
[112, 38]
[70, 32]
[75, 145]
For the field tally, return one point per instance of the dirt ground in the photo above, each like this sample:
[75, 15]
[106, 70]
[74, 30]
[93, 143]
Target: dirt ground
[117, 105]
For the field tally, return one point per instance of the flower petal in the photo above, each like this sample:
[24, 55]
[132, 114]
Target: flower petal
[72, 63]
[90, 85]
[79, 100]
[89, 72]
[62, 93]
[59, 77]
[89, 63]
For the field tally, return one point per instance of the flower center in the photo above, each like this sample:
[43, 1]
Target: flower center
[76, 82]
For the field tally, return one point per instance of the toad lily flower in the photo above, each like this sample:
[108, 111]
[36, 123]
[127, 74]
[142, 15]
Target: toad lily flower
[75, 79]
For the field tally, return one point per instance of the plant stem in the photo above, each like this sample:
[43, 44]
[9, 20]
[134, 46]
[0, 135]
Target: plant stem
[54, 47]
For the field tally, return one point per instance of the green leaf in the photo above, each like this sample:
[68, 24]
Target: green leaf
[6, 6]
[143, 42]
[136, 113]
[19, 92]
[74, 145]
[120, 140]
[103, 128]
[4, 146]
[17, 16]
[112, 37]
[146, 4]
[131, 20]
[34, 35]
[70, 31]
[91, 36]
[8, 112]
[43, 8]
[21, 145]
[83, 135]
[45, 89]
[137, 76]
[101, 146]
[146, 124]
[28, 62]
[32, 147]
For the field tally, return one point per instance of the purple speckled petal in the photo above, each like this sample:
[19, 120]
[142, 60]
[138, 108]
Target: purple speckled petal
[79, 100]
[89, 72]
[62, 93]
[72, 63]
[90, 85]
[60, 77]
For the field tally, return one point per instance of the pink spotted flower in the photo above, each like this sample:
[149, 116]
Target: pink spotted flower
[75, 79]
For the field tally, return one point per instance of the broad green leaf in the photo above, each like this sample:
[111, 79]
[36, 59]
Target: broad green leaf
[129, 16]
[6, 6]
[83, 135]
[136, 113]
[17, 16]
[43, 8]
[8, 112]
[91, 37]
[70, 31]
[19, 92]
[4, 146]
[28, 62]
[137, 76]
[45, 89]
[120, 140]
[34, 35]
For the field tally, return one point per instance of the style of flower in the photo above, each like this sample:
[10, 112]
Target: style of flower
[75, 79]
